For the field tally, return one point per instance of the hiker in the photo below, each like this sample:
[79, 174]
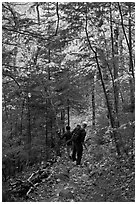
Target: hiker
[78, 137]
[67, 135]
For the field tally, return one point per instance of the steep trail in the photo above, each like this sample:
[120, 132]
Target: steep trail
[67, 182]
[101, 177]
[98, 179]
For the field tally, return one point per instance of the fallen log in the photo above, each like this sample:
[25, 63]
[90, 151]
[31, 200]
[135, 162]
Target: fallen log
[22, 188]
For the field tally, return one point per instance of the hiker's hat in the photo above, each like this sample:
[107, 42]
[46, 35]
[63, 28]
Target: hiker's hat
[84, 123]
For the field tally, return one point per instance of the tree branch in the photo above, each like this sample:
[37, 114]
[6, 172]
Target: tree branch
[12, 12]
[122, 24]
[86, 30]
[25, 32]
[38, 14]
[57, 12]
[128, 43]
[8, 75]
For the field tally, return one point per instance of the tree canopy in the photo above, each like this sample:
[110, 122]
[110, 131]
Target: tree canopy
[64, 63]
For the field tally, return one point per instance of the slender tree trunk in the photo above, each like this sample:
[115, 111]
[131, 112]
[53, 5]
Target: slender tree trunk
[16, 127]
[49, 60]
[121, 95]
[38, 13]
[51, 132]
[63, 120]
[93, 102]
[46, 131]
[112, 121]
[5, 106]
[29, 127]
[21, 122]
[68, 111]
[11, 125]
[114, 44]
[131, 67]
[129, 45]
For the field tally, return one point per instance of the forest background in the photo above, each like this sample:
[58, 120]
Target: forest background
[64, 63]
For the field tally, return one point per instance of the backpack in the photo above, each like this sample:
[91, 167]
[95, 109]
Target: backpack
[75, 135]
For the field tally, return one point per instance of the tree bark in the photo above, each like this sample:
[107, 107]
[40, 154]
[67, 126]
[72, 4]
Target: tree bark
[131, 67]
[114, 44]
[21, 122]
[68, 111]
[28, 127]
[5, 106]
[93, 102]
[63, 120]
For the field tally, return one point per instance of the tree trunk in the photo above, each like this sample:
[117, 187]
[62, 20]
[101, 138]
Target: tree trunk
[63, 120]
[5, 106]
[114, 43]
[21, 122]
[29, 127]
[112, 121]
[131, 67]
[46, 131]
[68, 112]
[93, 102]
[11, 126]
[129, 45]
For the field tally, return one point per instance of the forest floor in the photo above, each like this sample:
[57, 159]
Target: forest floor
[101, 177]
[98, 179]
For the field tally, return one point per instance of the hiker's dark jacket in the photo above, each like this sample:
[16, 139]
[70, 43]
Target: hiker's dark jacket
[67, 135]
[81, 135]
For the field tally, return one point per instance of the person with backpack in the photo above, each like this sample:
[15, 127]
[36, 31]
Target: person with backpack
[78, 137]
[67, 135]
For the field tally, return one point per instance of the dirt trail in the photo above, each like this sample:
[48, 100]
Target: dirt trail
[98, 179]
[68, 182]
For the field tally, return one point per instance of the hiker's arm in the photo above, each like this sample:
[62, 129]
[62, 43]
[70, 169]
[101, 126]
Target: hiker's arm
[83, 138]
[69, 141]
[63, 136]
[84, 145]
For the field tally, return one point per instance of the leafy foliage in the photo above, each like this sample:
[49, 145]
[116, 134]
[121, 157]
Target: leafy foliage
[64, 63]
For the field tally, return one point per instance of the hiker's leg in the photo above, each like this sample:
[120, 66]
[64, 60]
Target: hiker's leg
[74, 153]
[79, 154]
[68, 150]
